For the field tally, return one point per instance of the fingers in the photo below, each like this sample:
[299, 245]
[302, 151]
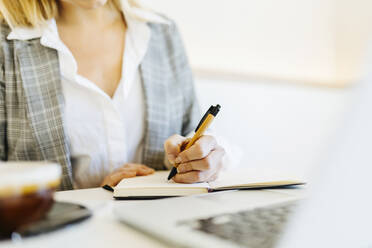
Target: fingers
[172, 146]
[191, 177]
[199, 163]
[197, 176]
[199, 150]
[210, 162]
[143, 170]
[203, 170]
[127, 171]
[140, 169]
[114, 178]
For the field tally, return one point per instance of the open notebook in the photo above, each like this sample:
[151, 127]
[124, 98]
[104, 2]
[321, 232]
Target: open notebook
[157, 185]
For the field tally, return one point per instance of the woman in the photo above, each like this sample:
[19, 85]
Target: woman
[100, 79]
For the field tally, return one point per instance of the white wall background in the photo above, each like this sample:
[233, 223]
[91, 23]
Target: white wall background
[294, 40]
[287, 127]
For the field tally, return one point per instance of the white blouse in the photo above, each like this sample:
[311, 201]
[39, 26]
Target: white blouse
[108, 131]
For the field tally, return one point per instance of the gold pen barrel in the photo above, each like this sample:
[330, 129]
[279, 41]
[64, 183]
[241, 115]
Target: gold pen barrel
[203, 127]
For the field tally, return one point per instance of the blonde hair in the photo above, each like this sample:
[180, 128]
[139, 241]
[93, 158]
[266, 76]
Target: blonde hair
[33, 13]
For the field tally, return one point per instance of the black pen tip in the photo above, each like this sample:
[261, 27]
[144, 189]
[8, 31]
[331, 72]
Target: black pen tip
[172, 173]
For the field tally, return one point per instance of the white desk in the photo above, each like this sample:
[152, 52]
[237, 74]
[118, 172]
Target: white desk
[103, 230]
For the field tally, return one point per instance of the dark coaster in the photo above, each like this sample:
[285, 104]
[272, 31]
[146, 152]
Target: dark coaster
[60, 215]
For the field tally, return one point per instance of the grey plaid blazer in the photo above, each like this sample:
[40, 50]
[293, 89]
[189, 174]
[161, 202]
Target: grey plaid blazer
[32, 102]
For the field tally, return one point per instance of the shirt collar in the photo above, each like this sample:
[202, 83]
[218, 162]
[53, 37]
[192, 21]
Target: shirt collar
[137, 38]
[25, 33]
[132, 15]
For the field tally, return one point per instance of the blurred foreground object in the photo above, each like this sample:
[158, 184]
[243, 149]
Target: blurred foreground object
[338, 210]
[26, 193]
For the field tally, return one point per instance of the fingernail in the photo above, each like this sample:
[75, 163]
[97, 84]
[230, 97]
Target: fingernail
[178, 160]
[179, 169]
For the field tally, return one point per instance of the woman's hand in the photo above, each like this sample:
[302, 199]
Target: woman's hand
[200, 163]
[127, 171]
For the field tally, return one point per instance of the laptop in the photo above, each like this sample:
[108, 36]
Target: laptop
[336, 213]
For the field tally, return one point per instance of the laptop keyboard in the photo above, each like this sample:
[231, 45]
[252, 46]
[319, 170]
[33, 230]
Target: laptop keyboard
[253, 228]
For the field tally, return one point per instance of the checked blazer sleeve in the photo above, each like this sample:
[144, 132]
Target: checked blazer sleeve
[171, 103]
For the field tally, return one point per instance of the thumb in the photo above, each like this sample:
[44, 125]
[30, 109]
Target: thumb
[172, 146]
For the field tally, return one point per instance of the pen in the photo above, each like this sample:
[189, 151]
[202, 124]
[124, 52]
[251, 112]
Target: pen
[199, 131]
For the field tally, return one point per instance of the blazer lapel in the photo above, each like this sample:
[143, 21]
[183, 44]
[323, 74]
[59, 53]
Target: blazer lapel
[41, 80]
